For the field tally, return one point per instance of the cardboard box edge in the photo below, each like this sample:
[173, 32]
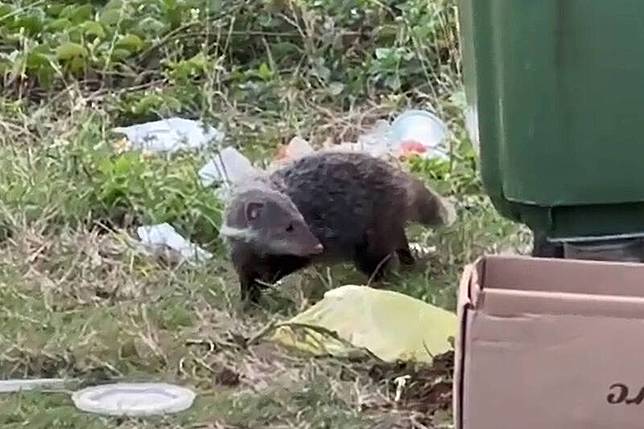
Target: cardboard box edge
[465, 302]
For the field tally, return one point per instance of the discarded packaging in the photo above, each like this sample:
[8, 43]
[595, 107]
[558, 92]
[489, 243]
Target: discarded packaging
[163, 237]
[549, 343]
[228, 167]
[415, 132]
[296, 148]
[170, 135]
[134, 399]
[17, 385]
[419, 131]
[353, 320]
[377, 141]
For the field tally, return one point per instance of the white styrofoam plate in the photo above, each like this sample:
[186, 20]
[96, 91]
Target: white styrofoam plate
[134, 399]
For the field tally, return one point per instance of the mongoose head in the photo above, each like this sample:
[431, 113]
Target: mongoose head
[270, 222]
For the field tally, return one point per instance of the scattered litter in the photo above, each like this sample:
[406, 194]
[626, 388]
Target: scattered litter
[134, 399]
[17, 385]
[228, 167]
[415, 132]
[472, 127]
[400, 383]
[421, 251]
[390, 325]
[377, 141]
[296, 148]
[418, 131]
[163, 236]
[169, 135]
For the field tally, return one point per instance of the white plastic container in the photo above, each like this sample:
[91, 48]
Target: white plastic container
[422, 127]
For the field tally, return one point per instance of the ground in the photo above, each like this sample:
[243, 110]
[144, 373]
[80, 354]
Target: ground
[79, 300]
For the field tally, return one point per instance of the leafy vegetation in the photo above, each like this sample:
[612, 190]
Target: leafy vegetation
[79, 300]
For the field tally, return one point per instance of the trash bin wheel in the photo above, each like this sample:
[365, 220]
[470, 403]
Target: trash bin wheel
[542, 248]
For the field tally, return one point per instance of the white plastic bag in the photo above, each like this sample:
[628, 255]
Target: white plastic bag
[163, 237]
[170, 135]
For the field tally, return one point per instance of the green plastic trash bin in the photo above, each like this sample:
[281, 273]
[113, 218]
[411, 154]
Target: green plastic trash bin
[555, 92]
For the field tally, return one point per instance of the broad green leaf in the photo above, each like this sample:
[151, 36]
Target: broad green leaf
[77, 14]
[37, 60]
[70, 50]
[93, 28]
[110, 17]
[58, 25]
[150, 26]
[5, 66]
[77, 64]
[54, 9]
[199, 60]
[114, 4]
[264, 72]
[120, 54]
[5, 9]
[33, 24]
[130, 42]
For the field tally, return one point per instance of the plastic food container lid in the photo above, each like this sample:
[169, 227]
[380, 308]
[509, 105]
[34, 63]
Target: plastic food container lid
[134, 399]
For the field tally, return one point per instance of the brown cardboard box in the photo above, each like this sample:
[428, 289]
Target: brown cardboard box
[550, 344]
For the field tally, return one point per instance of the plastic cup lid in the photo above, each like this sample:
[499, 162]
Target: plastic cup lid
[134, 399]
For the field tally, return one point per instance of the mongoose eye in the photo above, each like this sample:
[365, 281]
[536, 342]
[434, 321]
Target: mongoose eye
[289, 228]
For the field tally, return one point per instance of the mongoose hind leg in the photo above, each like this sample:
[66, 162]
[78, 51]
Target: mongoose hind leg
[373, 256]
[372, 265]
[405, 256]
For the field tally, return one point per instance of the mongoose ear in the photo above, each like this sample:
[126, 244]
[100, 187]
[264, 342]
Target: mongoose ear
[253, 210]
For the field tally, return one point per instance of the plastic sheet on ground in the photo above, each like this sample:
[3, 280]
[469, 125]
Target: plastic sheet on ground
[163, 237]
[353, 320]
[228, 166]
[170, 135]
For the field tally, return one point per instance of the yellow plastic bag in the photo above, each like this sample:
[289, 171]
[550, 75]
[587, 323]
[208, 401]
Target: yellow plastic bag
[353, 319]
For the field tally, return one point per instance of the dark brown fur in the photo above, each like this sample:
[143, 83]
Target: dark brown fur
[356, 205]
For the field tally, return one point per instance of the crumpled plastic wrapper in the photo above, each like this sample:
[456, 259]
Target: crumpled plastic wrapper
[229, 166]
[170, 135]
[162, 238]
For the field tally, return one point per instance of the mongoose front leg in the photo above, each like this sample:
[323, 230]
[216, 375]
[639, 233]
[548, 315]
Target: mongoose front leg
[280, 266]
[250, 290]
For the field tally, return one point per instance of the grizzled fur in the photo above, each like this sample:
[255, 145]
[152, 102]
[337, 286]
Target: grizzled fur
[354, 205]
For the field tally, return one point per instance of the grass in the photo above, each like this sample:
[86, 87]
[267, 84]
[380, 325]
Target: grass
[78, 300]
